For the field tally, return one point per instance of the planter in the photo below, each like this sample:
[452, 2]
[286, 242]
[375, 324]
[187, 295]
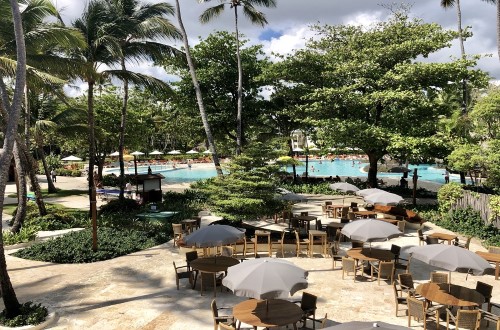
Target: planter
[51, 318]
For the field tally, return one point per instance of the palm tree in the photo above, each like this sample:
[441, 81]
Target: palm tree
[140, 24]
[256, 17]
[199, 97]
[11, 104]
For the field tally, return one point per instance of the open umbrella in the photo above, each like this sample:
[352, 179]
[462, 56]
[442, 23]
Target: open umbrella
[314, 149]
[265, 278]
[192, 152]
[369, 191]
[215, 235]
[449, 257]
[71, 159]
[297, 149]
[114, 154]
[383, 198]
[344, 187]
[370, 230]
[137, 153]
[156, 152]
[357, 325]
[207, 152]
[174, 152]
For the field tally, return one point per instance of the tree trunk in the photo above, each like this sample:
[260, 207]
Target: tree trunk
[12, 306]
[21, 191]
[28, 162]
[239, 132]
[294, 170]
[121, 142]
[462, 178]
[92, 156]
[372, 170]
[462, 52]
[50, 185]
[199, 98]
[498, 27]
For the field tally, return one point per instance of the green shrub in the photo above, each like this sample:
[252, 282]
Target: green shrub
[311, 188]
[111, 180]
[449, 194]
[31, 314]
[76, 247]
[69, 172]
[26, 234]
[127, 205]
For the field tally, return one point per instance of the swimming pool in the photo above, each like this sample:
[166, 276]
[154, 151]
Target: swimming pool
[182, 174]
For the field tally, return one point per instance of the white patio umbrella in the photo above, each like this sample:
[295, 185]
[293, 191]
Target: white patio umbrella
[192, 152]
[314, 149]
[137, 153]
[214, 235]
[114, 154]
[297, 149]
[71, 159]
[207, 152]
[449, 257]
[174, 152]
[383, 198]
[156, 152]
[357, 325]
[369, 191]
[265, 278]
[344, 187]
[370, 230]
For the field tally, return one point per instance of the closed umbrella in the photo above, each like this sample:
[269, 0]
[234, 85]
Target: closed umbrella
[357, 325]
[265, 278]
[370, 230]
[383, 198]
[215, 235]
[450, 257]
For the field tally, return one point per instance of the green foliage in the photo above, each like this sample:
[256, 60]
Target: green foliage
[53, 161]
[187, 203]
[311, 188]
[111, 180]
[449, 194]
[494, 205]
[466, 158]
[31, 314]
[26, 234]
[76, 247]
[117, 206]
[69, 172]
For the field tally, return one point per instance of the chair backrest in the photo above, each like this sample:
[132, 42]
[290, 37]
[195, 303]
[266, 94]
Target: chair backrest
[354, 204]
[297, 237]
[397, 291]
[485, 289]
[494, 249]
[402, 225]
[437, 277]
[308, 302]
[190, 256]
[406, 280]
[385, 268]
[416, 308]
[357, 244]
[287, 215]
[396, 250]
[319, 226]
[213, 306]
[328, 203]
[227, 251]
[177, 228]
[295, 223]
[304, 214]
[345, 212]
[348, 264]
[420, 235]
[431, 240]
[354, 209]
[198, 221]
[468, 319]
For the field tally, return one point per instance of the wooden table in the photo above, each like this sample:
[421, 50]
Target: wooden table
[492, 257]
[323, 237]
[336, 210]
[365, 214]
[450, 294]
[444, 237]
[270, 313]
[214, 264]
[370, 254]
[189, 224]
[389, 220]
[265, 234]
[306, 219]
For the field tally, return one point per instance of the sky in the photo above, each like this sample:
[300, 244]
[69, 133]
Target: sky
[289, 23]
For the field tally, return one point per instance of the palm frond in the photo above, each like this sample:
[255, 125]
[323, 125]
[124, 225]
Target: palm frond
[145, 50]
[155, 28]
[211, 13]
[151, 83]
[7, 66]
[255, 16]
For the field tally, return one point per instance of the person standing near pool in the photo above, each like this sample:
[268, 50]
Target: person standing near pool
[446, 176]
[128, 189]
[53, 174]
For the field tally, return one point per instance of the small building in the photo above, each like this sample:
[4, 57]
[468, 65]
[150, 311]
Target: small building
[148, 185]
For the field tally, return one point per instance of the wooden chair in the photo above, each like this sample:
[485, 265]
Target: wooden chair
[431, 240]
[464, 245]
[198, 221]
[325, 210]
[220, 319]
[345, 212]
[401, 226]
[494, 249]
[349, 267]
[417, 309]
[280, 244]
[319, 225]
[465, 319]
[490, 317]
[301, 243]
[248, 246]
[308, 306]
[385, 269]
[190, 256]
[334, 253]
[486, 290]
[437, 277]
[399, 263]
[398, 297]
[212, 278]
[182, 274]
[406, 282]
[227, 251]
[178, 232]
[421, 238]
[324, 321]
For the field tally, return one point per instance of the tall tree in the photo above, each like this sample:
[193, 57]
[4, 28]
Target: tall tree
[139, 28]
[199, 96]
[11, 109]
[256, 17]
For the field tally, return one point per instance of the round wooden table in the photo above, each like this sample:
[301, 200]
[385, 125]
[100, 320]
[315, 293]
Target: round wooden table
[214, 264]
[450, 294]
[444, 237]
[270, 313]
[492, 257]
[370, 254]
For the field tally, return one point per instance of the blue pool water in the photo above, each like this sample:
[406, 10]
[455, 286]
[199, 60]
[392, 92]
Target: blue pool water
[183, 174]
